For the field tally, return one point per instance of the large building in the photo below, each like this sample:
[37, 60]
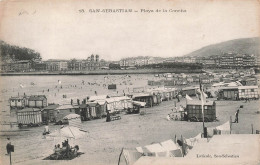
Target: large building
[139, 61]
[91, 63]
[234, 60]
[228, 60]
[56, 65]
[16, 66]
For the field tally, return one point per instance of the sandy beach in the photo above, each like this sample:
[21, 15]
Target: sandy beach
[104, 140]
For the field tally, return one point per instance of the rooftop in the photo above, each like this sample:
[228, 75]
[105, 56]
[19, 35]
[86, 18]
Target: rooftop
[37, 97]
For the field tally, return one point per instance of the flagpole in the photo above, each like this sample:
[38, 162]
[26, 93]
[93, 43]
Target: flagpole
[202, 106]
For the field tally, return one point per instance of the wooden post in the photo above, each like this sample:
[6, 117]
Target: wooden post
[230, 122]
[10, 158]
[183, 151]
[252, 128]
[120, 156]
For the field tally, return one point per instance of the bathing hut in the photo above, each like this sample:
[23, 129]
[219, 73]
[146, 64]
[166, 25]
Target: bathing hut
[48, 113]
[227, 93]
[98, 97]
[62, 111]
[91, 110]
[144, 97]
[191, 91]
[248, 92]
[194, 110]
[37, 101]
[18, 102]
[29, 116]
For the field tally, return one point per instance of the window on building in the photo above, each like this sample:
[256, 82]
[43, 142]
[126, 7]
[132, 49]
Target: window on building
[205, 107]
[252, 90]
[243, 90]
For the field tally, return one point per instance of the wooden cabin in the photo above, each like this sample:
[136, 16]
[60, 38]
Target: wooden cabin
[37, 101]
[155, 83]
[249, 81]
[116, 104]
[191, 91]
[111, 86]
[48, 113]
[103, 106]
[227, 93]
[62, 111]
[18, 102]
[29, 117]
[169, 93]
[95, 110]
[248, 92]
[98, 97]
[91, 110]
[144, 97]
[169, 82]
[194, 110]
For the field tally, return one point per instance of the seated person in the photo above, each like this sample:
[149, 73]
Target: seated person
[55, 148]
[176, 117]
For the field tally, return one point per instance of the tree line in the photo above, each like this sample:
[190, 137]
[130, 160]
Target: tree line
[17, 53]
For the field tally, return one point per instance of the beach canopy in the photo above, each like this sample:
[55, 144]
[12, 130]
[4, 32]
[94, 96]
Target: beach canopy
[231, 149]
[71, 116]
[139, 103]
[68, 132]
[99, 97]
[164, 149]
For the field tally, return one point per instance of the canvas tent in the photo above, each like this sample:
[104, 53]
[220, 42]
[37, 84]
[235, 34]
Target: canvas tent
[69, 132]
[239, 149]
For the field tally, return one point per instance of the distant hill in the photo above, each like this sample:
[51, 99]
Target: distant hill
[242, 46]
[16, 52]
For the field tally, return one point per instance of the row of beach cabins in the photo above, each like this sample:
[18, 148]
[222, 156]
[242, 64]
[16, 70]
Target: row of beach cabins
[171, 79]
[98, 106]
[35, 110]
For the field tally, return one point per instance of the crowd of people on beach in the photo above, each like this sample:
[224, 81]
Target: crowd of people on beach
[65, 151]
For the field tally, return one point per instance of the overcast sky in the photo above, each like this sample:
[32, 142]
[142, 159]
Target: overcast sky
[58, 30]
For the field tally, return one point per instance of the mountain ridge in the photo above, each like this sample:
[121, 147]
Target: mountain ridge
[240, 46]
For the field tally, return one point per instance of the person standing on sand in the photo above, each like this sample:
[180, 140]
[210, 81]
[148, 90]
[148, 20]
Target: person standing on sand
[236, 115]
[108, 117]
[178, 98]
[168, 117]
[8, 146]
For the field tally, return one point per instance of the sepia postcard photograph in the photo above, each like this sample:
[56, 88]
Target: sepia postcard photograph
[129, 82]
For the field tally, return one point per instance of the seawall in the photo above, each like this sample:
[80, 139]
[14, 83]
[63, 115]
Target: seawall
[105, 72]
